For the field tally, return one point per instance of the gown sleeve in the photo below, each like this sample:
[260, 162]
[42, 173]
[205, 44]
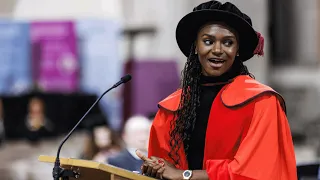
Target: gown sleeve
[265, 153]
[159, 139]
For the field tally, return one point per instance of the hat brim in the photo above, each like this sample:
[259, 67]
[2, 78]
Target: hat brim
[189, 25]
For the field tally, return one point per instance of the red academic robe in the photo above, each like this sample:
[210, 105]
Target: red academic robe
[247, 138]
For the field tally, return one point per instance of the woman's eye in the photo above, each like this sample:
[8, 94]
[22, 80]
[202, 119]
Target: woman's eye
[207, 42]
[228, 42]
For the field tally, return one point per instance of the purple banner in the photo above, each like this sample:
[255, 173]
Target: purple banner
[153, 80]
[54, 56]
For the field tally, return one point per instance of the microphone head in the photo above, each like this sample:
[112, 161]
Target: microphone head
[126, 78]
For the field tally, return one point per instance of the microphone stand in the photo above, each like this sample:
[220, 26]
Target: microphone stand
[59, 172]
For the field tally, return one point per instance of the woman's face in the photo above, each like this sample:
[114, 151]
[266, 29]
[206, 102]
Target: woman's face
[36, 106]
[102, 136]
[217, 47]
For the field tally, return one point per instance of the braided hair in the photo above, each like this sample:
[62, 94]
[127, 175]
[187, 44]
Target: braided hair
[185, 117]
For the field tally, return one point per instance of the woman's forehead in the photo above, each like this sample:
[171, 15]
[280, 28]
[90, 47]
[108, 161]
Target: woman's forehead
[214, 27]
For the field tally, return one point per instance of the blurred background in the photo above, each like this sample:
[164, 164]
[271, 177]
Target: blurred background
[58, 56]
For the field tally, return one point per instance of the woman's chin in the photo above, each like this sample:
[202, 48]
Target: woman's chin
[215, 73]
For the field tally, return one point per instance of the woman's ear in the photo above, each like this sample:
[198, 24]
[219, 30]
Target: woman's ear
[195, 50]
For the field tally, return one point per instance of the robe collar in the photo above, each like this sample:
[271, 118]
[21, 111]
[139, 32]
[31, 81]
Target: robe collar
[237, 93]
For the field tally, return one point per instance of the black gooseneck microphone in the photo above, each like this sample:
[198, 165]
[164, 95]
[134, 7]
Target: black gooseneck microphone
[59, 172]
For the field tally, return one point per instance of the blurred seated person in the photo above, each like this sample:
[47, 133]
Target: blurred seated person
[101, 142]
[135, 136]
[2, 130]
[36, 125]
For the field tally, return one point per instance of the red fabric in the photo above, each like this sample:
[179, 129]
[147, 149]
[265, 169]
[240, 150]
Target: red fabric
[259, 49]
[249, 138]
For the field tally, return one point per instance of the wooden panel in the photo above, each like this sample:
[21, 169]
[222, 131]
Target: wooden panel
[86, 173]
[119, 178]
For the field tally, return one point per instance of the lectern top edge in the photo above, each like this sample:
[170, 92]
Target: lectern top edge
[95, 165]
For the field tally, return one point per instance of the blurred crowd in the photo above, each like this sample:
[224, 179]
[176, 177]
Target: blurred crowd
[94, 140]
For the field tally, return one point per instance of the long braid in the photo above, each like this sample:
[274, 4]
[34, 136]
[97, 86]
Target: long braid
[185, 117]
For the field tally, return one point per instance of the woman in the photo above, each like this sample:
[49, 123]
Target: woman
[222, 124]
[101, 142]
[37, 125]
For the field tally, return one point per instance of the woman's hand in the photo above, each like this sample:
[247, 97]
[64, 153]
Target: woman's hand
[159, 168]
[35, 123]
[151, 166]
[171, 172]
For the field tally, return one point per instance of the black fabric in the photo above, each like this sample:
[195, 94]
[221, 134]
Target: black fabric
[208, 94]
[228, 13]
[35, 136]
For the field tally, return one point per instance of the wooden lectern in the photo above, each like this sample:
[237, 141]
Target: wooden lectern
[90, 170]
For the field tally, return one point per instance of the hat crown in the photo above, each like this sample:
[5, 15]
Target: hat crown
[227, 7]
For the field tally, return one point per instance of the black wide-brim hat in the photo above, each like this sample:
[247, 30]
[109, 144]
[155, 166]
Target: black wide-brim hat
[214, 11]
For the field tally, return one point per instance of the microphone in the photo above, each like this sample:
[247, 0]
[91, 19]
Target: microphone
[59, 172]
[123, 80]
